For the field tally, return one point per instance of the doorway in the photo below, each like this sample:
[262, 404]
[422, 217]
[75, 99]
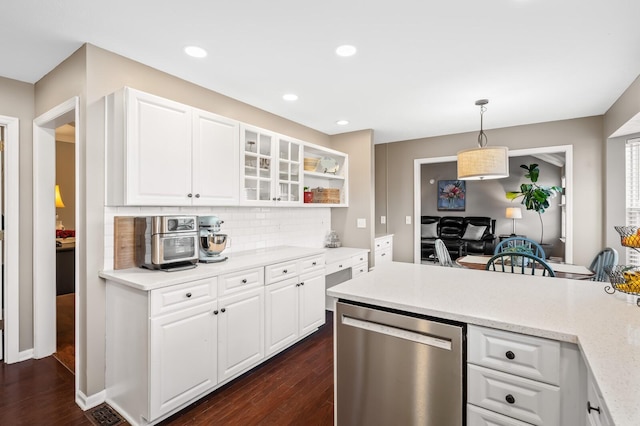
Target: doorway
[564, 150]
[44, 224]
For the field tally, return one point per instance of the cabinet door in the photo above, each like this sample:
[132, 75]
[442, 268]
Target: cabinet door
[216, 160]
[311, 297]
[182, 357]
[240, 332]
[289, 180]
[281, 308]
[158, 159]
[258, 169]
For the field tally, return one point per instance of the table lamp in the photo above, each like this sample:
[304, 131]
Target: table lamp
[514, 213]
[59, 205]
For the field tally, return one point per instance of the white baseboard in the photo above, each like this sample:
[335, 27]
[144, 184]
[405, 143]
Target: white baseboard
[86, 402]
[25, 355]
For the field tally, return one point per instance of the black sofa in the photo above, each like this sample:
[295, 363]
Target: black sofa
[451, 230]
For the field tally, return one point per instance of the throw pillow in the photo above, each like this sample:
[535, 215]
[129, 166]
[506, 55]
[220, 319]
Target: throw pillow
[473, 232]
[430, 230]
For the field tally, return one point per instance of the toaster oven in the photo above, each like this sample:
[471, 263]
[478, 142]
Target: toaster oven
[167, 243]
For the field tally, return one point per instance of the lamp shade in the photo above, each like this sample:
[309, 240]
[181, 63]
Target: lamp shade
[488, 162]
[513, 213]
[59, 203]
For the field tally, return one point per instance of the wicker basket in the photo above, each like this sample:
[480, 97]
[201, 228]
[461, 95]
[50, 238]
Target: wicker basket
[326, 195]
[310, 164]
[629, 236]
[625, 279]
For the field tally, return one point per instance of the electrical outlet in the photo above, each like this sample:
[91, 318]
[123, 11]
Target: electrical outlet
[407, 220]
[361, 223]
[383, 220]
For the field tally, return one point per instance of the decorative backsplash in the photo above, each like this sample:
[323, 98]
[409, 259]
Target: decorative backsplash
[248, 228]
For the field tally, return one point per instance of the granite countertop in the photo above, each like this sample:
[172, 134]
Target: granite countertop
[605, 327]
[145, 279]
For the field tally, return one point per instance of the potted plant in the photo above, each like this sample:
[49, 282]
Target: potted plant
[535, 197]
[519, 249]
[308, 195]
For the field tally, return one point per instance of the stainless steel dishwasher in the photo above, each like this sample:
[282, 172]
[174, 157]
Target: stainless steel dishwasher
[394, 368]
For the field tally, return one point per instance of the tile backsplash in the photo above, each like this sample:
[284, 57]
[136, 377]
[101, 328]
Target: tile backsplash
[247, 228]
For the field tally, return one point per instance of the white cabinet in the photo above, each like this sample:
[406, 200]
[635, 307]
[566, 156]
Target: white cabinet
[383, 251]
[328, 178]
[515, 379]
[596, 410]
[271, 168]
[294, 301]
[164, 153]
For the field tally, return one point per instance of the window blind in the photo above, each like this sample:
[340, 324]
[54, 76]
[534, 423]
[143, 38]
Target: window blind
[632, 172]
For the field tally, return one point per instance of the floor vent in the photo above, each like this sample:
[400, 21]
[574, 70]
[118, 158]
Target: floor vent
[103, 415]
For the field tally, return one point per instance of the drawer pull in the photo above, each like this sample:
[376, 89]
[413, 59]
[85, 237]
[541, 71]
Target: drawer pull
[188, 295]
[383, 254]
[189, 195]
[284, 271]
[314, 264]
[510, 399]
[510, 355]
[302, 283]
[298, 285]
[590, 408]
[223, 310]
[339, 266]
[244, 281]
[215, 312]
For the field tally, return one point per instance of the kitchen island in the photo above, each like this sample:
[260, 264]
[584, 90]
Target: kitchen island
[605, 327]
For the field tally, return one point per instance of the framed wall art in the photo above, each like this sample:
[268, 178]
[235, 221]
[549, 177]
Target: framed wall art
[452, 195]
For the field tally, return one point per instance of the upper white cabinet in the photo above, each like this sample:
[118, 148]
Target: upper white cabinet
[271, 165]
[164, 153]
[328, 179]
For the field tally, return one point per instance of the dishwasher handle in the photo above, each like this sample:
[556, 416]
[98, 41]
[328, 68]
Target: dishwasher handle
[400, 333]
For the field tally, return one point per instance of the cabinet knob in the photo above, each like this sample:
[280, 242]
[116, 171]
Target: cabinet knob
[223, 310]
[339, 266]
[510, 355]
[188, 295]
[314, 264]
[215, 312]
[197, 195]
[273, 199]
[510, 399]
[298, 285]
[189, 195]
[284, 271]
[302, 283]
[244, 281]
[278, 198]
[590, 408]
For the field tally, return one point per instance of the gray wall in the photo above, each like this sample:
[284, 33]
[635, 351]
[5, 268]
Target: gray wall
[585, 134]
[487, 198]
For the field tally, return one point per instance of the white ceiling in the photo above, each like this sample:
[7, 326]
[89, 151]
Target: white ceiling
[420, 66]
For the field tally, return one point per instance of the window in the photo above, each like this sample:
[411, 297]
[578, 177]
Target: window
[632, 172]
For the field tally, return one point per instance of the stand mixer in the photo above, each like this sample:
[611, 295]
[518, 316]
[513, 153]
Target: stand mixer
[211, 242]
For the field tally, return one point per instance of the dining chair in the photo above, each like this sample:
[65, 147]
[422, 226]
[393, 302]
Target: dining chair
[519, 263]
[602, 263]
[510, 242]
[442, 253]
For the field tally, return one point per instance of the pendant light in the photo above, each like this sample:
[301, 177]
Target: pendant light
[484, 162]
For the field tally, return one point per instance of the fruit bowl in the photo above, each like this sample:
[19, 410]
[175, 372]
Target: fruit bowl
[629, 235]
[625, 279]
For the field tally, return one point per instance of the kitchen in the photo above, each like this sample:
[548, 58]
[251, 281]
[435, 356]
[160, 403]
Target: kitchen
[95, 73]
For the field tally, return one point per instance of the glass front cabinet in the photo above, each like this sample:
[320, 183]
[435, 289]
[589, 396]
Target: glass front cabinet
[271, 168]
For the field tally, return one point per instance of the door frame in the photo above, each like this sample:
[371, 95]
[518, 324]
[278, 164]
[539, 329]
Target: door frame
[44, 289]
[567, 150]
[11, 253]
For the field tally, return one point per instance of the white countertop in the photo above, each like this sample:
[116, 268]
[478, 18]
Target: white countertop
[605, 327]
[145, 279]
[334, 255]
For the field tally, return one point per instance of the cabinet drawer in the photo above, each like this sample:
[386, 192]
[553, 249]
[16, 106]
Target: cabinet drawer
[477, 416]
[383, 255]
[338, 266]
[239, 281]
[360, 258]
[526, 356]
[180, 296]
[312, 263]
[280, 271]
[359, 269]
[383, 242]
[524, 399]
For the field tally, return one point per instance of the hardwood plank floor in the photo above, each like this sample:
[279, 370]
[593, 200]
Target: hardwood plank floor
[293, 388]
[65, 330]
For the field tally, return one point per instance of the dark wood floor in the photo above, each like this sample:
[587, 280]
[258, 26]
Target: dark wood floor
[293, 388]
[65, 330]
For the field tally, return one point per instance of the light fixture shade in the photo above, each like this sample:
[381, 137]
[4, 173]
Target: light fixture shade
[488, 162]
[59, 203]
[513, 213]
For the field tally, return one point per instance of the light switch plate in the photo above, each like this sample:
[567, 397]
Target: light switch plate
[407, 220]
[361, 223]
[383, 220]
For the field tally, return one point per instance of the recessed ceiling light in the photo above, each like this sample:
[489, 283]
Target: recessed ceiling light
[290, 97]
[342, 122]
[195, 51]
[346, 50]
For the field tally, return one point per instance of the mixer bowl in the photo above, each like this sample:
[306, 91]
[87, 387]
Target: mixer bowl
[213, 245]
